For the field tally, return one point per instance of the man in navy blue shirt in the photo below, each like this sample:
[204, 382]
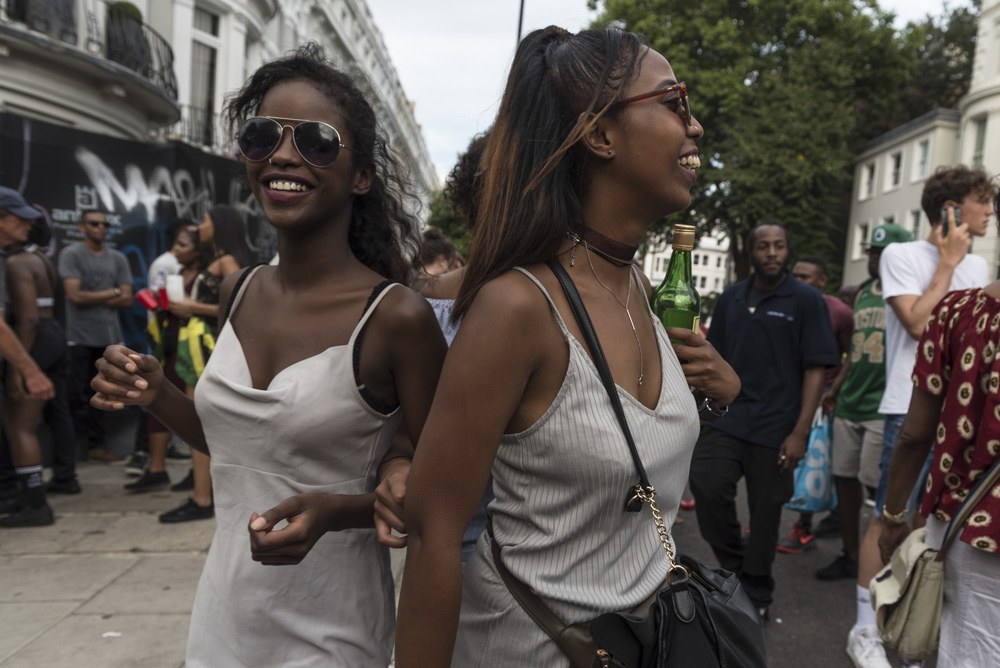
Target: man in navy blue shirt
[775, 332]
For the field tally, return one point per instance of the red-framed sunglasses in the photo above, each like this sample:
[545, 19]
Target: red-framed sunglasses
[682, 98]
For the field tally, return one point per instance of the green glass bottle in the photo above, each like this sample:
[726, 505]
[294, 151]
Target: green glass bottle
[675, 302]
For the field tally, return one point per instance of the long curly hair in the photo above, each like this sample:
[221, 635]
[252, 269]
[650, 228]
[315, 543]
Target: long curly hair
[383, 228]
[560, 85]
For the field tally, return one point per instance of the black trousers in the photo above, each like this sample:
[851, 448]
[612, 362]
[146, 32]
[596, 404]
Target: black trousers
[82, 371]
[719, 461]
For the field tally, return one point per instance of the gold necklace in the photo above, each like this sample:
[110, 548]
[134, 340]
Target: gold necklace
[624, 305]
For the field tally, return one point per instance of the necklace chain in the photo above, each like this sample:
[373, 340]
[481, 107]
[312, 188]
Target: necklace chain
[624, 305]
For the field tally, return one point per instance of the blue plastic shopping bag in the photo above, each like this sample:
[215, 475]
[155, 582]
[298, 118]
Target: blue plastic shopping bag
[814, 491]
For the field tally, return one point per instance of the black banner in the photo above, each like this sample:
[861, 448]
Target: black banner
[144, 185]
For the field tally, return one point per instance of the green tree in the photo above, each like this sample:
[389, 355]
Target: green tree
[787, 91]
[945, 47]
[444, 216]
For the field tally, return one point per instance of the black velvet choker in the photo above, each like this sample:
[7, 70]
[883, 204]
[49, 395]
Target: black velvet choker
[613, 251]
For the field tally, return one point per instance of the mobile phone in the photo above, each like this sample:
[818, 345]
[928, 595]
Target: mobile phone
[944, 218]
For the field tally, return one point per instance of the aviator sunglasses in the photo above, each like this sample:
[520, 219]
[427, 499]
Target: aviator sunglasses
[318, 143]
[682, 98]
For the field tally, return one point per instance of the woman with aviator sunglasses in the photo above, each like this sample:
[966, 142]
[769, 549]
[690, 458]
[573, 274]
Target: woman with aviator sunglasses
[320, 360]
[593, 141]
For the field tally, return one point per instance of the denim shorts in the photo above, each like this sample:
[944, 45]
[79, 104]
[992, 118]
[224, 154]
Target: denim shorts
[890, 435]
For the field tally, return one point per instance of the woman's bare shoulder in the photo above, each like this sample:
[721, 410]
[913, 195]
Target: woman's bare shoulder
[444, 286]
[511, 297]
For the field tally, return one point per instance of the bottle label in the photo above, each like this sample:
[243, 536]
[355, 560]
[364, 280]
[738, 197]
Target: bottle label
[681, 319]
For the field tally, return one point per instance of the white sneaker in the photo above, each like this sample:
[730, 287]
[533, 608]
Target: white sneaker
[864, 646]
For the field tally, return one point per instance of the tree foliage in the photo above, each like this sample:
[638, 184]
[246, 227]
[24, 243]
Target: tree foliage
[443, 215]
[787, 91]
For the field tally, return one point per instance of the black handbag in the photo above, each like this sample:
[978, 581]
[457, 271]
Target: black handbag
[700, 617]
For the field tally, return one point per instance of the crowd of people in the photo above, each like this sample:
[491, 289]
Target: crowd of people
[333, 412]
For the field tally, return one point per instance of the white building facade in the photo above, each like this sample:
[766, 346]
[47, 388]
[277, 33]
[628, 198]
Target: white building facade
[709, 265]
[218, 43]
[890, 172]
[162, 68]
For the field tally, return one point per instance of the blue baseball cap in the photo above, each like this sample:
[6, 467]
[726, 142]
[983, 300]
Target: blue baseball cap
[12, 201]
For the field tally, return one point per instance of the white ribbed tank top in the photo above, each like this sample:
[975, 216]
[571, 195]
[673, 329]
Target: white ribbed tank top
[559, 515]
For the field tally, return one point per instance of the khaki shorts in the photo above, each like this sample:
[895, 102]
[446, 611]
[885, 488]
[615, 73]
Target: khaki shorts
[857, 447]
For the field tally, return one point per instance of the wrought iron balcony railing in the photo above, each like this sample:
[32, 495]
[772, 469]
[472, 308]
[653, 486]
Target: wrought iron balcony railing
[113, 31]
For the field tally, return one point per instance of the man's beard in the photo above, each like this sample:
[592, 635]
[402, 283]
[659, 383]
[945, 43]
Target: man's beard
[768, 275]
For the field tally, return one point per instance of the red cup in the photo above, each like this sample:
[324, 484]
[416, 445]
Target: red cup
[164, 302]
[147, 299]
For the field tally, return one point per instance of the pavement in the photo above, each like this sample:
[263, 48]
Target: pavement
[109, 586]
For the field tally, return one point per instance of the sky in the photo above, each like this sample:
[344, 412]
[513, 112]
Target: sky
[452, 57]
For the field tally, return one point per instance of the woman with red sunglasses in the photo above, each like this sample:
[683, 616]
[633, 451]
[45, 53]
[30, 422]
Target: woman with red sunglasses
[318, 361]
[594, 140]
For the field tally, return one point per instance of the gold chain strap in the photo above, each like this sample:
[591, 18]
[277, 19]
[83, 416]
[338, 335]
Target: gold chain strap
[648, 495]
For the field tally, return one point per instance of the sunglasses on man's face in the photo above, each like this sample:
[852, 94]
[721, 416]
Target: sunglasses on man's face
[318, 143]
[98, 223]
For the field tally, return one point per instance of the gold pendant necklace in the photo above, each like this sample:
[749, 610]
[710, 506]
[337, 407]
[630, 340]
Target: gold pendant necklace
[624, 305]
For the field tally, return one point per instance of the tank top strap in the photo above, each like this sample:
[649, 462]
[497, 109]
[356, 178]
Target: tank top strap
[552, 304]
[380, 291]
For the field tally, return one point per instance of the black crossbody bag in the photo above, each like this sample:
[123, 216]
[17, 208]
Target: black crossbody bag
[700, 617]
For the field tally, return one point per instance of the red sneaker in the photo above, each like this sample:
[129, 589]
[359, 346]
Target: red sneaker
[798, 541]
[687, 504]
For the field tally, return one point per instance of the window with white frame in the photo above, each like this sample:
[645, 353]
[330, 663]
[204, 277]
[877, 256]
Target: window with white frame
[980, 140]
[867, 181]
[718, 284]
[860, 239]
[718, 261]
[915, 223]
[889, 220]
[205, 47]
[922, 163]
[704, 280]
[695, 258]
[895, 168]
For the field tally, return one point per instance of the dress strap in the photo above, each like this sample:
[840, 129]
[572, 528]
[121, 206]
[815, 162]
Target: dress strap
[241, 285]
[380, 291]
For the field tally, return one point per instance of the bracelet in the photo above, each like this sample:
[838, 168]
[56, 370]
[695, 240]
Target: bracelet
[118, 291]
[895, 518]
[386, 461]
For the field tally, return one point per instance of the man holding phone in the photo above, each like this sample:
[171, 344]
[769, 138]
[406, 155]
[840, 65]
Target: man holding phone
[915, 276]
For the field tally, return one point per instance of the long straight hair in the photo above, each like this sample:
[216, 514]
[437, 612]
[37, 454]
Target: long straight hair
[560, 85]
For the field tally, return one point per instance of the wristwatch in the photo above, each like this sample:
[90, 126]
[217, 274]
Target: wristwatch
[895, 518]
[708, 409]
[118, 291]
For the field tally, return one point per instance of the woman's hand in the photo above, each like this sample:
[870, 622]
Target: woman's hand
[892, 535]
[389, 496]
[125, 378]
[704, 368]
[309, 517]
[182, 308]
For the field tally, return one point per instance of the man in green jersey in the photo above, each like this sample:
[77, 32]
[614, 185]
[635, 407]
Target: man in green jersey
[857, 391]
